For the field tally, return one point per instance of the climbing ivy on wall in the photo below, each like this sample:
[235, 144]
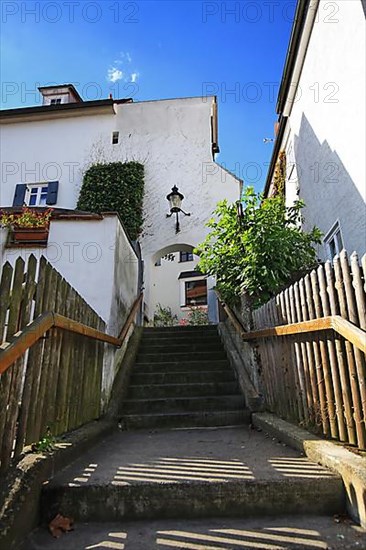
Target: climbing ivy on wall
[279, 179]
[116, 187]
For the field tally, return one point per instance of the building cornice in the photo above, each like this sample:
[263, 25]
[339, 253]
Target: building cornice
[64, 110]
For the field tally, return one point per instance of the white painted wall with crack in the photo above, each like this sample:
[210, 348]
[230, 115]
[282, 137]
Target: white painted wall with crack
[174, 139]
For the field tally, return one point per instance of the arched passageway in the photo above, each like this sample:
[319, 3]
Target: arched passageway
[175, 283]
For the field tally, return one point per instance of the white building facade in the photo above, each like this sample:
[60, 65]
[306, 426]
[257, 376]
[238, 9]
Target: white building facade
[46, 150]
[321, 129]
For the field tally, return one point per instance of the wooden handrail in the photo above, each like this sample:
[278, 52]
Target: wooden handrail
[233, 318]
[348, 330]
[24, 339]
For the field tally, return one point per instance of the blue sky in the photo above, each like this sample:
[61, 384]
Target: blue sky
[153, 50]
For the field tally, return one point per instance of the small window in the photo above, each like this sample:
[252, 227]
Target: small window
[36, 195]
[56, 101]
[334, 241]
[185, 256]
[115, 138]
[196, 293]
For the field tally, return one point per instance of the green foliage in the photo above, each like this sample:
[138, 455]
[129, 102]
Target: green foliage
[259, 254]
[46, 444]
[116, 187]
[163, 317]
[26, 218]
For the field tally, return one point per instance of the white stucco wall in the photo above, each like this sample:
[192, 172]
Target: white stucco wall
[96, 258]
[326, 127]
[49, 150]
[172, 138]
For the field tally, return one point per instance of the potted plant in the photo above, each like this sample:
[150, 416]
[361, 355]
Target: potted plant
[28, 225]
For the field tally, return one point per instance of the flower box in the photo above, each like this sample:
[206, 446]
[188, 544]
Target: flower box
[28, 226]
[27, 234]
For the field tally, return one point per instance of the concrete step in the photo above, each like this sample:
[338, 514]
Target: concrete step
[180, 347]
[204, 329]
[184, 377]
[269, 533]
[194, 473]
[183, 404]
[210, 365]
[148, 391]
[198, 499]
[192, 419]
[180, 357]
[181, 338]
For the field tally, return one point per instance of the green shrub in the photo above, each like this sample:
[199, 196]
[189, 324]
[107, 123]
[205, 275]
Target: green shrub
[115, 187]
[259, 254]
[163, 317]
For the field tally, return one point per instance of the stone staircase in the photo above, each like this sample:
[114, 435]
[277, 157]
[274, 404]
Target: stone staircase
[186, 453]
[182, 378]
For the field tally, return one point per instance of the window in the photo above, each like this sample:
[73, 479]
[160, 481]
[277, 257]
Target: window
[196, 293]
[115, 137]
[56, 101]
[333, 241]
[185, 256]
[36, 195]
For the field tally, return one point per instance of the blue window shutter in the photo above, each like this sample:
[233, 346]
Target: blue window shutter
[52, 192]
[19, 195]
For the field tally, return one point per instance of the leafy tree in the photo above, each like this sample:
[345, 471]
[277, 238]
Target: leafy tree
[260, 253]
[116, 187]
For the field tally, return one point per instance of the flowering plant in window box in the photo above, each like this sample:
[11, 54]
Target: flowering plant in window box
[27, 225]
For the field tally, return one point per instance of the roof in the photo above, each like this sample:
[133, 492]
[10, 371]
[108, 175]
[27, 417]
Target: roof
[240, 180]
[286, 82]
[292, 51]
[58, 110]
[57, 213]
[187, 274]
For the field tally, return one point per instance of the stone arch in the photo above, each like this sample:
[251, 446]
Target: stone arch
[177, 247]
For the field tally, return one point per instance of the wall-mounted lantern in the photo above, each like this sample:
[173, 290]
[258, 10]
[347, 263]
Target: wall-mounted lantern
[175, 201]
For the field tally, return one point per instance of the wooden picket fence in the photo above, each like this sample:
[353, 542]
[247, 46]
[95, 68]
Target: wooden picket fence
[317, 378]
[55, 385]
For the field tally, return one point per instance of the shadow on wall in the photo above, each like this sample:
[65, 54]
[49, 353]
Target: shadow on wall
[328, 190]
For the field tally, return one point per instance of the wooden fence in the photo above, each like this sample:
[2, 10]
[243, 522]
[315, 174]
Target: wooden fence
[318, 378]
[56, 384]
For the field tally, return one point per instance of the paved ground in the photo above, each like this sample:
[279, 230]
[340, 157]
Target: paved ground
[194, 455]
[213, 534]
[209, 454]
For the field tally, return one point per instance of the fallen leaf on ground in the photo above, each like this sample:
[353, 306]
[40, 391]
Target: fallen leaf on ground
[60, 524]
